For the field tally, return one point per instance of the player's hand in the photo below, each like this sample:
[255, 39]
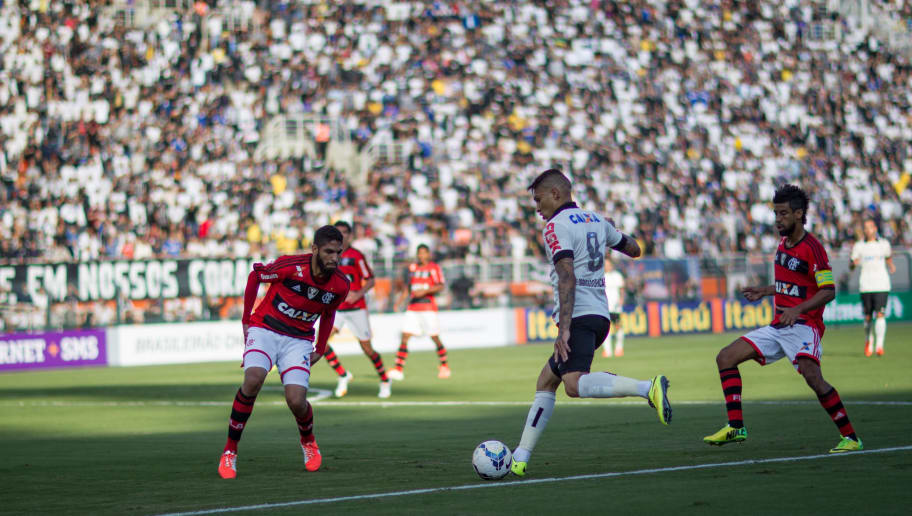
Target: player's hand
[353, 296]
[246, 327]
[315, 357]
[790, 315]
[752, 293]
[892, 268]
[562, 345]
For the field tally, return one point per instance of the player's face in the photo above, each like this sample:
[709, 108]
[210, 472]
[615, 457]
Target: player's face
[870, 230]
[546, 201]
[327, 256]
[786, 218]
[346, 236]
[423, 255]
[609, 266]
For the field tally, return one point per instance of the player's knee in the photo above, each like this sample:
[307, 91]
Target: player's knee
[253, 381]
[723, 359]
[572, 389]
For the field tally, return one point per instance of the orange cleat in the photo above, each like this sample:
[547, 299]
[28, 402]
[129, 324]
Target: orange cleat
[880, 352]
[606, 352]
[228, 465]
[869, 349]
[312, 458]
[444, 372]
[619, 352]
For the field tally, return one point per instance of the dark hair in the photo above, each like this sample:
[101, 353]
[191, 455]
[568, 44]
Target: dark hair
[423, 246]
[552, 175]
[343, 224]
[796, 198]
[327, 234]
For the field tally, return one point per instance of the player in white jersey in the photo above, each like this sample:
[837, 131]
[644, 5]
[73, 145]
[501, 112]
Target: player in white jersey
[875, 257]
[576, 241]
[614, 289]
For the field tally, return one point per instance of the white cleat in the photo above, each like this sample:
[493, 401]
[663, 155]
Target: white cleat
[342, 386]
[395, 374]
[386, 389]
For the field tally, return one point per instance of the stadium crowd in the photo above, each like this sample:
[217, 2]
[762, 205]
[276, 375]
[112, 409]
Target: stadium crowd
[676, 117]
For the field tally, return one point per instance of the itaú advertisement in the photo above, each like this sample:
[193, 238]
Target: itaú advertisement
[148, 344]
[53, 350]
[655, 319]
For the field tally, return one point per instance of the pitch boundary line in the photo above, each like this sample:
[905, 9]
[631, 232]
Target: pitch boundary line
[390, 494]
[321, 401]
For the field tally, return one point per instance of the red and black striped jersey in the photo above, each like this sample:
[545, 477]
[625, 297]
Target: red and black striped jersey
[422, 277]
[800, 272]
[296, 299]
[354, 266]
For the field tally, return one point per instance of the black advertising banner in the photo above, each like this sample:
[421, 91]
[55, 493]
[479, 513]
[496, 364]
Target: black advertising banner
[139, 279]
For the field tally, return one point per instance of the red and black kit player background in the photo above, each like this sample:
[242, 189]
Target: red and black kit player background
[422, 279]
[353, 313]
[302, 289]
[803, 286]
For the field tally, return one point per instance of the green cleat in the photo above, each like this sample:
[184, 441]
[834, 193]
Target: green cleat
[727, 435]
[848, 444]
[658, 398]
[518, 468]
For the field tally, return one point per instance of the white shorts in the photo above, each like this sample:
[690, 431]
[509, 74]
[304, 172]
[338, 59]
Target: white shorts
[291, 356]
[790, 341]
[421, 323]
[357, 322]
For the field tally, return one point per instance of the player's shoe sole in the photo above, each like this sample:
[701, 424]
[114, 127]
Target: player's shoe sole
[847, 445]
[395, 374]
[228, 465]
[658, 398]
[727, 434]
[342, 386]
[444, 372]
[518, 468]
[312, 457]
[386, 389]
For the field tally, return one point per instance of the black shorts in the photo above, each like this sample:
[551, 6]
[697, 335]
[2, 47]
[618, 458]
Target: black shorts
[614, 317]
[587, 333]
[874, 302]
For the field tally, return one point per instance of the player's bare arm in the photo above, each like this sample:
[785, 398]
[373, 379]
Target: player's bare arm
[823, 296]
[566, 291]
[628, 245]
[355, 295]
[755, 293]
[890, 266]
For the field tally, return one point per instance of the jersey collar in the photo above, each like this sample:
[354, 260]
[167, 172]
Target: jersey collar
[565, 206]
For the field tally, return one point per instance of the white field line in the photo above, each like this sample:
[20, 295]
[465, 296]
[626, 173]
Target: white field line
[519, 483]
[320, 400]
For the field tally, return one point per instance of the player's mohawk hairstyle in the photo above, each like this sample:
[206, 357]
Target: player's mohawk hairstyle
[327, 234]
[552, 176]
[796, 198]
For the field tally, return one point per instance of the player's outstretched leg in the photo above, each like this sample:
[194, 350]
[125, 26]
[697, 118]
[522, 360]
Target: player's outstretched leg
[727, 360]
[880, 333]
[444, 369]
[537, 419]
[296, 397]
[401, 356]
[610, 385]
[832, 403]
[385, 384]
[240, 413]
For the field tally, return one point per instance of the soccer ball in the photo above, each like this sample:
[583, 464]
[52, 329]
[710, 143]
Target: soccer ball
[492, 460]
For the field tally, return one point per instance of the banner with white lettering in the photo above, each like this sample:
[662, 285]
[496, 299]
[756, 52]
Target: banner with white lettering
[53, 350]
[140, 279]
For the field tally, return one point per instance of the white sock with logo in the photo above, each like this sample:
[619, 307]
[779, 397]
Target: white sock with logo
[539, 414]
[880, 331]
[609, 385]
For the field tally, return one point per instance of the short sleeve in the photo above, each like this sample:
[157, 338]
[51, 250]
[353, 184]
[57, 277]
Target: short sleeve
[558, 240]
[822, 272]
[612, 236]
[366, 271]
[856, 251]
[888, 249]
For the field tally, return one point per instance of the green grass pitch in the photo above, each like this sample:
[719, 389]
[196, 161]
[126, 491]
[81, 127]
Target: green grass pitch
[147, 440]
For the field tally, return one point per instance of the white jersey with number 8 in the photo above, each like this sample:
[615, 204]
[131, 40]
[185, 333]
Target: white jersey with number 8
[583, 236]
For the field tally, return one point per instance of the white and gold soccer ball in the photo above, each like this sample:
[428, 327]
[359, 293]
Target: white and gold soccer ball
[492, 460]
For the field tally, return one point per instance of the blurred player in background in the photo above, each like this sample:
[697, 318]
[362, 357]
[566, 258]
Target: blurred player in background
[303, 288]
[875, 257]
[614, 289]
[804, 285]
[423, 280]
[353, 312]
[576, 242]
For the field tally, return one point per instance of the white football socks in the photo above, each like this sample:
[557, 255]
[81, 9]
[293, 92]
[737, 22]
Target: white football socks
[619, 341]
[608, 385]
[880, 331]
[539, 413]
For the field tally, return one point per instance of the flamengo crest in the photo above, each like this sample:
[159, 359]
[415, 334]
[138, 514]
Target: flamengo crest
[327, 298]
